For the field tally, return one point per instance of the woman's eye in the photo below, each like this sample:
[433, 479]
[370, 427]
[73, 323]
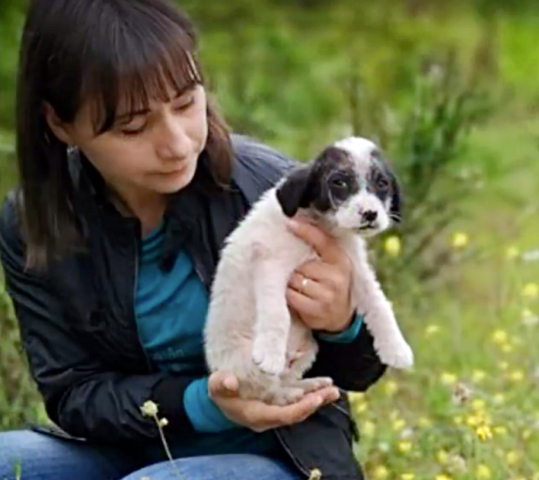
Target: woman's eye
[134, 131]
[186, 104]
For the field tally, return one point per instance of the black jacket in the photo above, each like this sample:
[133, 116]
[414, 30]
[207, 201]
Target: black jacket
[78, 327]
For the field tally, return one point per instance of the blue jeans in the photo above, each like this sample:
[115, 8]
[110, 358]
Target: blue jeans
[42, 457]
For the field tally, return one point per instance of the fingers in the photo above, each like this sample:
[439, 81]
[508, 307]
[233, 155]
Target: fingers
[310, 287]
[222, 384]
[303, 304]
[275, 416]
[322, 243]
[307, 406]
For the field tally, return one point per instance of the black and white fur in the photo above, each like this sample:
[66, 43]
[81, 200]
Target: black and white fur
[348, 190]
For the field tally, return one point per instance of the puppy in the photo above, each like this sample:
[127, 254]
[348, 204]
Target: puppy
[350, 192]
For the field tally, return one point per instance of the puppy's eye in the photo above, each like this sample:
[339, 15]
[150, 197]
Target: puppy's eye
[339, 183]
[382, 183]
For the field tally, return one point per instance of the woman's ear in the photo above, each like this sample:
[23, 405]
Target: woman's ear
[60, 129]
[294, 192]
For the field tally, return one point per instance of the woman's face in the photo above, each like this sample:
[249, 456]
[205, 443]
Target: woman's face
[147, 152]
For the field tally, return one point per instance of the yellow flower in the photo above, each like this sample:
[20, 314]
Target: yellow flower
[448, 378]
[500, 337]
[380, 472]
[361, 407]
[458, 419]
[356, 396]
[503, 366]
[368, 428]
[482, 472]
[432, 329]
[391, 387]
[526, 434]
[404, 446]
[500, 430]
[512, 252]
[483, 432]
[460, 240]
[149, 409]
[407, 476]
[478, 376]
[512, 457]
[473, 420]
[425, 422]
[516, 375]
[442, 476]
[392, 246]
[478, 404]
[442, 457]
[530, 290]
[507, 348]
[499, 399]
[398, 424]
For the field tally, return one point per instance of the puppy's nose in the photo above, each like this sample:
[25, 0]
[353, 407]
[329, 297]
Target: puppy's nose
[370, 216]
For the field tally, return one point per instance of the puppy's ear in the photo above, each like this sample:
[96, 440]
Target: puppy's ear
[293, 193]
[395, 209]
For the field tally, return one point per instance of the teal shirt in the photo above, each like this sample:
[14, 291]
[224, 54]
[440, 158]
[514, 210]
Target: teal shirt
[171, 309]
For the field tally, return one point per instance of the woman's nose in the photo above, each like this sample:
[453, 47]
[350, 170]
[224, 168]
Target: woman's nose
[173, 142]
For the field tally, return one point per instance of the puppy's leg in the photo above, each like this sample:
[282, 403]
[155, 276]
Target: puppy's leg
[300, 361]
[389, 342]
[272, 323]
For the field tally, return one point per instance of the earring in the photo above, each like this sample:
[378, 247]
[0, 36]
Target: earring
[71, 149]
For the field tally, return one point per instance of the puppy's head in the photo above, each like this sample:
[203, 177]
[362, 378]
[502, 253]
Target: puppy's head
[349, 184]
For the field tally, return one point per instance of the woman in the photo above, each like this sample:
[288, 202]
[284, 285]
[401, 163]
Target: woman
[130, 182]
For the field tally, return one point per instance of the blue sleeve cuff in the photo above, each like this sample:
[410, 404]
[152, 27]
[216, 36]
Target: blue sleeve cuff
[204, 414]
[346, 336]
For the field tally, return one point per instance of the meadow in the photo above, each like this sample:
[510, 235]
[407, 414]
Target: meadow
[452, 92]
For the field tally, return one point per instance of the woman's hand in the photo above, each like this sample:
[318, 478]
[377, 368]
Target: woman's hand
[319, 290]
[257, 415]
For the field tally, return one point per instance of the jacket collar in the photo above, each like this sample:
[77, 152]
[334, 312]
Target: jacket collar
[184, 217]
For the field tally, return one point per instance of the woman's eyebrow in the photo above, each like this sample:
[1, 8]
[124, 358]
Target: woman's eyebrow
[144, 111]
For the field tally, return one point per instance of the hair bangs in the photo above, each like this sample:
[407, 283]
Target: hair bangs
[144, 67]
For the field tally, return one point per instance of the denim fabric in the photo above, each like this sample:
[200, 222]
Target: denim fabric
[218, 467]
[42, 457]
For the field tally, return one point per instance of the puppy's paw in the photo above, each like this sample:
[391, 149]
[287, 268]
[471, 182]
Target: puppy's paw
[396, 354]
[287, 396]
[268, 356]
[313, 384]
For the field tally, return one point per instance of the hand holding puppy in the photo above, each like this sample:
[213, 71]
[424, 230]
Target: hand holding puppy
[257, 415]
[319, 290]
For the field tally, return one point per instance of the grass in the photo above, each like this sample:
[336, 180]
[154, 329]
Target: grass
[468, 410]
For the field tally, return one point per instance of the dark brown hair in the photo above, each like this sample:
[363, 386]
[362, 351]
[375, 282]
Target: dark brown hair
[107, 52]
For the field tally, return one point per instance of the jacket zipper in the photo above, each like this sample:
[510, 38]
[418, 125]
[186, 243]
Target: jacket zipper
[147, 360]
[298, 464]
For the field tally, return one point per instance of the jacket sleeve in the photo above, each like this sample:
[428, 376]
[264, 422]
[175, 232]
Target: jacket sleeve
[81, 395]
[352, 365]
